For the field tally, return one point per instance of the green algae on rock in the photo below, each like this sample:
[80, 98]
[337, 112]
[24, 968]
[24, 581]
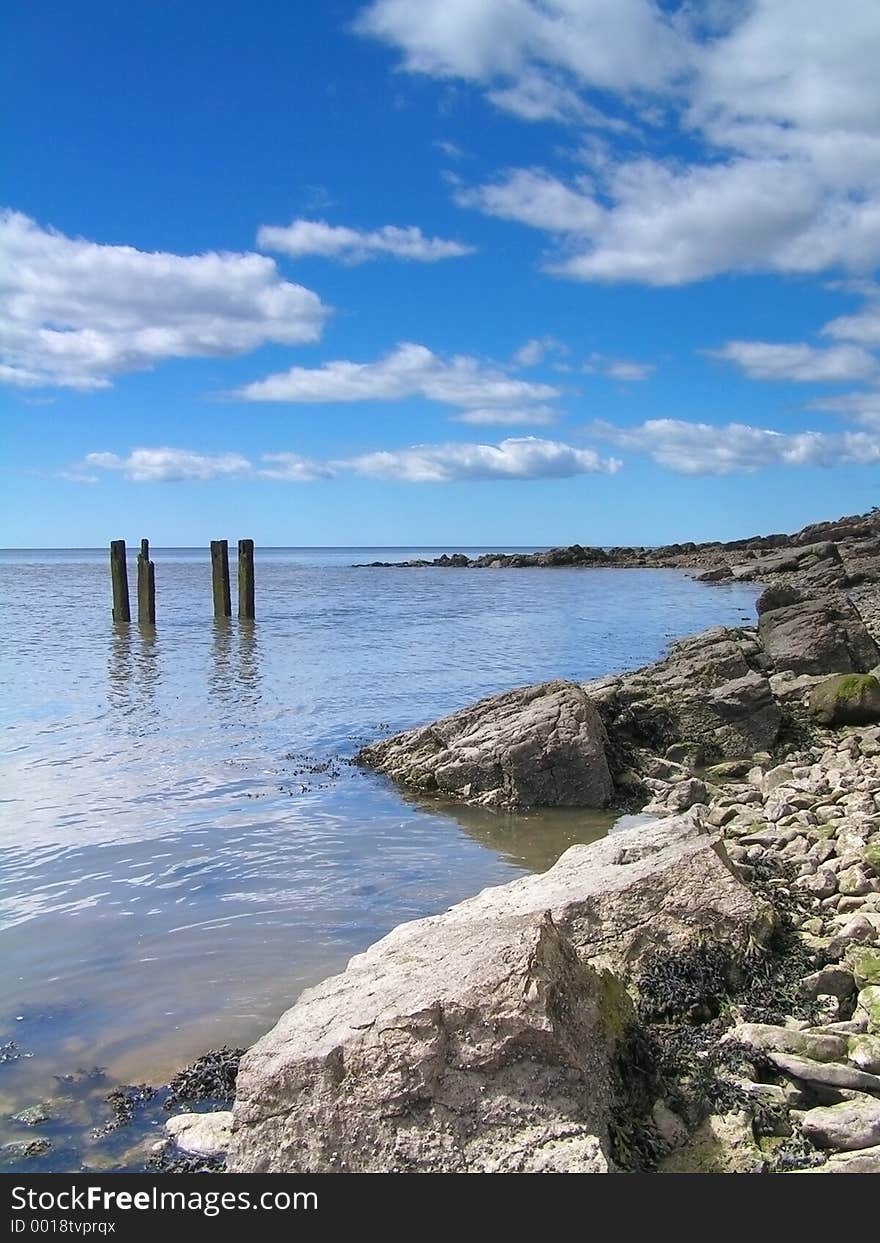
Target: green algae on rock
[846, 699]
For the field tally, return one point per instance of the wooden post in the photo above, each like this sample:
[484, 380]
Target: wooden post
[146, 587]
[220, 577]
[246, 578]
[119, 581]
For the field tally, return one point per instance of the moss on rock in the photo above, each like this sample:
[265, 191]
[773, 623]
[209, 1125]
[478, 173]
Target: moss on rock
[846, 699]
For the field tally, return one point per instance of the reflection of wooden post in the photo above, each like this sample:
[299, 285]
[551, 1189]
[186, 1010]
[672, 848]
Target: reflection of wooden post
[146, 586]
[220, 577]
[246, 578]
[119, 581]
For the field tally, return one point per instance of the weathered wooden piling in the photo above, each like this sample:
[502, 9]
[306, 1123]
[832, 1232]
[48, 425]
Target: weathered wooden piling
[220, 577]
[246, 578]
[146, 586]
[119, 581]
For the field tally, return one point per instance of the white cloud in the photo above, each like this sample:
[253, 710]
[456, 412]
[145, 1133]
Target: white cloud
[863, 327]
[293, 468]
[706, 449]
[532, 197]
[317, 237]
[76, 313]
[536, 349]
[170, 465]
[525, 458]
[616, 45]
[408, 371]
[776, 99]
[862, 408]
[623, 369]
[762, 360]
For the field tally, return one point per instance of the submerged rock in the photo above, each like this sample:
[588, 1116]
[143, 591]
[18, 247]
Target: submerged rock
[201, 1135]
[539, 746]
[483, 1039]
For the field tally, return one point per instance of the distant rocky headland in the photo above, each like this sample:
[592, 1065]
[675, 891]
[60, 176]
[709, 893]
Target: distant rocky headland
[839, 553]
[697, 993]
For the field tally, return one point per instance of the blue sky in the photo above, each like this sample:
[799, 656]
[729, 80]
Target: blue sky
[438, 272]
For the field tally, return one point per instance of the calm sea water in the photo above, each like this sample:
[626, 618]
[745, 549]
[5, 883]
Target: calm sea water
[183, 848]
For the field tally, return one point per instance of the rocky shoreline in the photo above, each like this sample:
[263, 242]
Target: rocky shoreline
[841, 553]
[697, 993]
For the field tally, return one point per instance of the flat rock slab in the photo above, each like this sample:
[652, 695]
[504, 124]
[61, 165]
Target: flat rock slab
[538, 746]
[482, 1039]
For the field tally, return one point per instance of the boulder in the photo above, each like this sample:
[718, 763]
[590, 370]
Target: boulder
[846, 699]
[814, 635]
[483, 1039]
[539, 746]
[487, 1056]
[852, 1124]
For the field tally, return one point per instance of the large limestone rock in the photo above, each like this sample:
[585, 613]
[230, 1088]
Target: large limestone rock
[538, 746]
[483, 1039]
[806, 634]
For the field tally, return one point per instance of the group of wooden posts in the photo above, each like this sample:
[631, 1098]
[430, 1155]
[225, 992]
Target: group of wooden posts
[146, 581]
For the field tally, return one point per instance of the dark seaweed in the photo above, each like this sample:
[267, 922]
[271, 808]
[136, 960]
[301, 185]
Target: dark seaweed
[210, 1078]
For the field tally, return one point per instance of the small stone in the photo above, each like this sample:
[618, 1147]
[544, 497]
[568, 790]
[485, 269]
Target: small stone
[864, 1051]
[869, 1005]
[822, 885]
[780, 775]
[853, 882]
[669, 1126]
[834, 981]
[865, 963]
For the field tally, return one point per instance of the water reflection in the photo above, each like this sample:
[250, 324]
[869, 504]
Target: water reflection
[147, 661]
[220, 674]
[133, 671]
[231, 680]
[248, 660]
[119, 666]
[533, 840]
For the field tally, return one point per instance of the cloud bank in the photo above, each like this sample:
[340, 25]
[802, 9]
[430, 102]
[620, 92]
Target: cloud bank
[775, 103]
